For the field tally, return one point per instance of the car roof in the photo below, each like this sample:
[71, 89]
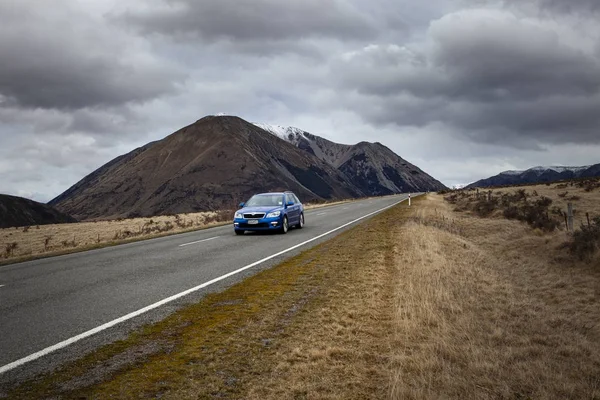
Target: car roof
[267, 193]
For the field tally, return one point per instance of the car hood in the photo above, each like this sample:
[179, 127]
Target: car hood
[264, 209]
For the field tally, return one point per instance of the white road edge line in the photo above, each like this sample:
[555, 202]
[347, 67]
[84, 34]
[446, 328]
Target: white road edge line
[2, 285]
[199, 241]
[323, 213]
[141, 311]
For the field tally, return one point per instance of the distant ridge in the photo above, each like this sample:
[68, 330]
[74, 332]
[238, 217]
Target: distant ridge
[372, 167]
[18, 211]
[538, 175]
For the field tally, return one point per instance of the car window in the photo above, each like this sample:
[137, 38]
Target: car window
[296, 198]
[289, 198]
[265, 200]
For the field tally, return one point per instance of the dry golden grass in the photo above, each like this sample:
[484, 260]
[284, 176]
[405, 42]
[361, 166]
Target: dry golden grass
[416, 303]
[57, 238]
[494, 313]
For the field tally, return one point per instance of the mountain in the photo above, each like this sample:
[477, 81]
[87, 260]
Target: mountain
[538, 175]
[17, 211]
[219, 161]
[211, 164]
[372, 167]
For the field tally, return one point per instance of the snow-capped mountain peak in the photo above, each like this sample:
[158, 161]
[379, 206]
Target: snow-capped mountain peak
[287, 133]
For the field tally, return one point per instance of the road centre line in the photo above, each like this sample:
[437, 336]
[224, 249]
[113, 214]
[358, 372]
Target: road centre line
[74, 339]
[199, 241]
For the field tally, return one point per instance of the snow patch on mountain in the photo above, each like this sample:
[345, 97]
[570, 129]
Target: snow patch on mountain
[287, 133]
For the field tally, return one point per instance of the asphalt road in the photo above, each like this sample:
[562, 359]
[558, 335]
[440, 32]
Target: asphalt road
[49, 301]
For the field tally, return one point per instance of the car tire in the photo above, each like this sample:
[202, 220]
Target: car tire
[239, 232]
[301, 223]
[285, 226]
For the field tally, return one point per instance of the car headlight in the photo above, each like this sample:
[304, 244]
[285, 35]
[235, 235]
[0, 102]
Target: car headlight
[238, 215]
[274, 214]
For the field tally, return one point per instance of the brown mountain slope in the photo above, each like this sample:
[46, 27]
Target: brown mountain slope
[372, 167]
[377, 170]
[18, 211]
[212, 164]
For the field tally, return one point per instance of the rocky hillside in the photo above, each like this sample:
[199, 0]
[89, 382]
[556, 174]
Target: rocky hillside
[17, 211]
[538, 175]
[212, 164]
[372, 167]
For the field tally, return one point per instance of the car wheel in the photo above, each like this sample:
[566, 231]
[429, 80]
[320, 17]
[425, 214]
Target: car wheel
[239, 232]
[284, 225]
[301, 223]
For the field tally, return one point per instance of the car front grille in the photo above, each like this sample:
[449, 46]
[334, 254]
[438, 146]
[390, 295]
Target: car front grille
[261, 225]
[254, 215]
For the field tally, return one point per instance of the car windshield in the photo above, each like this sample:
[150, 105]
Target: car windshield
[265, 200]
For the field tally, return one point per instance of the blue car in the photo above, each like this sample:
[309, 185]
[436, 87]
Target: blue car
[269, 212]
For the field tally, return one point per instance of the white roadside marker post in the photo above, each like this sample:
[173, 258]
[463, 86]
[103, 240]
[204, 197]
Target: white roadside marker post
[409, 199]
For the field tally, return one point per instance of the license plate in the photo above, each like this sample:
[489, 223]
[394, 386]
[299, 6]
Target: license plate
[253, 222]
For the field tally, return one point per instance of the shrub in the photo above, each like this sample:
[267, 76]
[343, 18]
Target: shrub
[520, 194]
[511, 212]
[563, 194]
[10, 249]
[453, 198]
[586, 240]
[47, 240]
[536, 215]
[483, 208]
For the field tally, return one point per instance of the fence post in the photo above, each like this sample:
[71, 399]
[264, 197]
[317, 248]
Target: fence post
[489, 196]
[570, 216]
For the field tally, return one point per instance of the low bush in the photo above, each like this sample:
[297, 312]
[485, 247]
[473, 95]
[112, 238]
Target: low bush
[586, 240]
[10, 249]
[536, 215]
[484, 208]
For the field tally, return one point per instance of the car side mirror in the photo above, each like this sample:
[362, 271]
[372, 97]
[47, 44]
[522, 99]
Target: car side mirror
[242, 204]
[289, 203]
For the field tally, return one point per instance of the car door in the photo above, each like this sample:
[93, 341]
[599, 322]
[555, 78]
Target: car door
[293, 211]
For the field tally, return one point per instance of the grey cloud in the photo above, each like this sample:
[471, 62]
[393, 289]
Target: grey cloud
[491, 76]
[564, 6]
[58, 58]
[247, 21]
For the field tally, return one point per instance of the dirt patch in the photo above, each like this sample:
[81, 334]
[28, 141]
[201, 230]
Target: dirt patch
[103, 370]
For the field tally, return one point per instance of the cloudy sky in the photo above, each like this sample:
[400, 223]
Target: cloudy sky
[465, 89]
